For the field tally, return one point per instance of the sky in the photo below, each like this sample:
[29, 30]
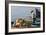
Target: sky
[20, 11]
